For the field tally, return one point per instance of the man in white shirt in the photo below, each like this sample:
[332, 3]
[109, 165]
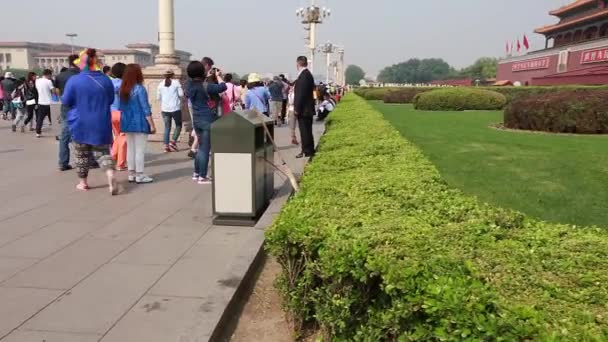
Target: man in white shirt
[170, 94]
[326, 107]
[45, 88]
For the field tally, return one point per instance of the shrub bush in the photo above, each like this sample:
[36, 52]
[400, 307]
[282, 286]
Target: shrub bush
[567, 111]
[404, 95]
[373, 94]
[459, 99]
[512, 93]
[376, 247]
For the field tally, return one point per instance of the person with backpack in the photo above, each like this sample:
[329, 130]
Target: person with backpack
[18, 103]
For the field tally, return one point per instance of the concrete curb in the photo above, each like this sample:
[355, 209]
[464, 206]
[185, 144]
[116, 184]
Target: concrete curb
[252, 265]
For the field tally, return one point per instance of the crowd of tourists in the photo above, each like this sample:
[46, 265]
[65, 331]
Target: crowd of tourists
[107, 117]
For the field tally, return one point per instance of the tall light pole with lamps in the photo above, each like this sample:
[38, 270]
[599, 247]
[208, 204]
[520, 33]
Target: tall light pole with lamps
[327, 48]
[72, 36]
[311, 17]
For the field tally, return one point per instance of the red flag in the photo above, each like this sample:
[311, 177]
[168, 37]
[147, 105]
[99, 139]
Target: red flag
[526, 43]
[518, 45]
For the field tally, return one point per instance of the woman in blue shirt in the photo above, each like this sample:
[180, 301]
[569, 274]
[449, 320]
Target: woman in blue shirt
[90, 95]
[258, 96]
[198, 91]
[135, 121]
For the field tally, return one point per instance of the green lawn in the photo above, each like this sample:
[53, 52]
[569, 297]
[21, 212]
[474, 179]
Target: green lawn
[553, 177]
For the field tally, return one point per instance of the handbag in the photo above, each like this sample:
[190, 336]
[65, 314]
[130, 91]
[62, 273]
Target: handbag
[17, 103]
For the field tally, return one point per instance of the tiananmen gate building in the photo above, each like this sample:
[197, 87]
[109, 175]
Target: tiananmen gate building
[576, 50]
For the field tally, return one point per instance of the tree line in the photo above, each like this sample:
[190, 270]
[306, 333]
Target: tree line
[417, 70]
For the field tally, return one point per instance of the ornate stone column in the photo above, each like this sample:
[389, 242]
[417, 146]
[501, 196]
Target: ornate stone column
[166, 60]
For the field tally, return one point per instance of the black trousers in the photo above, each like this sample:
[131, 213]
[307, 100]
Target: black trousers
[43, 112]
[306, 138]
[30, 114]
[284, 110]
[323, 114]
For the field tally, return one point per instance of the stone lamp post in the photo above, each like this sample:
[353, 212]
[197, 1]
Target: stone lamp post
[166, 60]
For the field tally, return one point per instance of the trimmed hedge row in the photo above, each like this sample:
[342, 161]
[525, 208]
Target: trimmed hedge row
[373, 94]
[460, 99]
[404, 95]
[574, 111]
[510, 93]
[376, 247]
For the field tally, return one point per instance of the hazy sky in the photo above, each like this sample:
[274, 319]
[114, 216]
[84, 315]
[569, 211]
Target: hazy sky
[265, 35]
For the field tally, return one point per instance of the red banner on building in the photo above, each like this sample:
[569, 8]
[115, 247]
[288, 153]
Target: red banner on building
[531, 64]
[595, 56]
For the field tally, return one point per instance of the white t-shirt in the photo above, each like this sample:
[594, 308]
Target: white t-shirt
[45, 88]
[170, 97]
[328, 105]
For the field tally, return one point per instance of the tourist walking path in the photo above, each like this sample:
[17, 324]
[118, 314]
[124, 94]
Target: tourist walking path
[147, 265]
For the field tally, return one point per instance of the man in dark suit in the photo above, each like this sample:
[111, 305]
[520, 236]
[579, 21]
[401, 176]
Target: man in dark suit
[304, 107]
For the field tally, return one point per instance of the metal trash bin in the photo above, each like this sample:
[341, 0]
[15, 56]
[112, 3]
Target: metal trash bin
[243, 178]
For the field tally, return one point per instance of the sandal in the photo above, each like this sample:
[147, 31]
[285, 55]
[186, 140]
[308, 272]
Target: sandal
[83, 188]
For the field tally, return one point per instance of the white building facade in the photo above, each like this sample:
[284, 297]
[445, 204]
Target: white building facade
[28, 55]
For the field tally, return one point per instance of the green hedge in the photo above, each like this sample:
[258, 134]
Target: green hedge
[459, 99]
[373, 94]
[513, 93]
[376, 247]
[404, 95]
[566, 111]
[401, 95]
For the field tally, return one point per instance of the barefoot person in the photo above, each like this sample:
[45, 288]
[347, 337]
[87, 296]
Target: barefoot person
[89, 96]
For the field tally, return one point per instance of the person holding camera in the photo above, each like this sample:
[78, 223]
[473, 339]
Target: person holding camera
[201, 92]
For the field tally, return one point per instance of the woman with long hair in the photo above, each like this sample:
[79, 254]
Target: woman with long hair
[170, 94]
[31, 98]
[135, 121]
[89, 96]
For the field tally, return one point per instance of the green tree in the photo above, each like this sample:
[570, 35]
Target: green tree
[483, 68]
[416, 71]
[354, 74]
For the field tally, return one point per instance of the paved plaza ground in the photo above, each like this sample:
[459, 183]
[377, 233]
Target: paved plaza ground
[147, 265]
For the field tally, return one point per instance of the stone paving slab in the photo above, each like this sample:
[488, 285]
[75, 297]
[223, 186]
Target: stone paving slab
[48, 336]
[147, 265]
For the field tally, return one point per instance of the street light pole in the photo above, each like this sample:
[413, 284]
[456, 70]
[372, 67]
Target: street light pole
[311, 17]
[72, 36]
[328, 49]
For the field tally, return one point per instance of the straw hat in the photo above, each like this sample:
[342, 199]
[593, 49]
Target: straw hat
[169, 73]
[253, 78]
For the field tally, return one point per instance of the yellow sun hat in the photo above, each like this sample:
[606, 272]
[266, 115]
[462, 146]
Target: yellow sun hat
[253, 78]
